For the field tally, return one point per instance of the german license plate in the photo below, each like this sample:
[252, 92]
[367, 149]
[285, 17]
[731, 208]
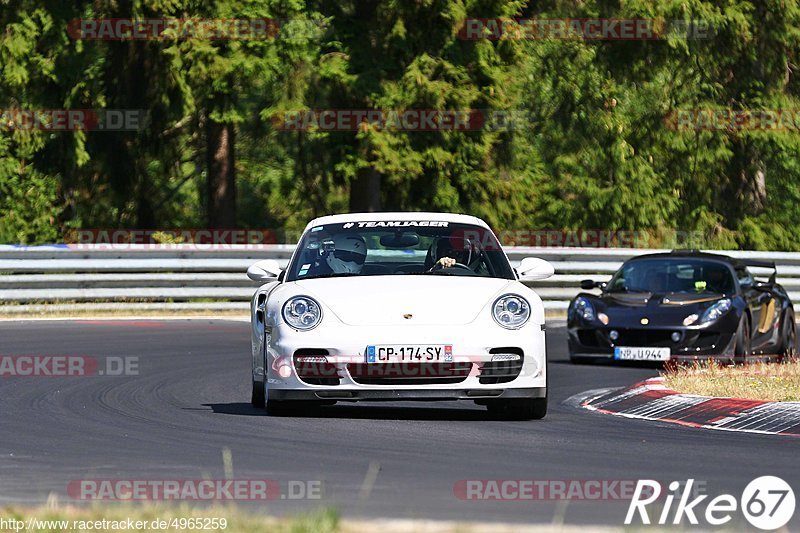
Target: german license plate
[627, 353]
[409, 353]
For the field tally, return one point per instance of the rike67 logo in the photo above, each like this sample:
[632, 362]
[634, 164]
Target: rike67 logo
[767, 503]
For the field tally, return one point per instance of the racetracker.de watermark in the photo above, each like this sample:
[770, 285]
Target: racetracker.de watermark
[194, 489]
[584, 29]
[163, 29]
[38, 366]
[185, 239]
[72, 119]
[179, 523]
[583, 238]
[405, 120]
[545, 489]
[777, 120]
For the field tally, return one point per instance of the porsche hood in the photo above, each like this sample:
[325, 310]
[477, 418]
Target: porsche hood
[404, 300]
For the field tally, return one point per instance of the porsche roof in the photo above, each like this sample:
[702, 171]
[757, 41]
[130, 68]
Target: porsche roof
[405, 216]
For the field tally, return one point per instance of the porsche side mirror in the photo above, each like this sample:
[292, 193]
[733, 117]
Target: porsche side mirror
[264, 271]
[533, 268]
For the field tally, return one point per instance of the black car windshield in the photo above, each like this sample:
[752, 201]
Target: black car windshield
[673, 275]
[387, 248]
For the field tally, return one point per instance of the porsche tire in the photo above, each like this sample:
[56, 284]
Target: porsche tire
[279, 408]
[258, 394]
[296, 407]
[519, 409]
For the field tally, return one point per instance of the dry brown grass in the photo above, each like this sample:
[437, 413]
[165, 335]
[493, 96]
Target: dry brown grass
[778, 382]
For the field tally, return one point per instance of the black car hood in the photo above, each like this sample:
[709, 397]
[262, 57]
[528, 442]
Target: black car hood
[628, 309]
[642, 299]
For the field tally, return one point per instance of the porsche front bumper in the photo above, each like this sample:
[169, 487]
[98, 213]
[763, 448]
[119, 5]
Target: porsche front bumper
[470, 375]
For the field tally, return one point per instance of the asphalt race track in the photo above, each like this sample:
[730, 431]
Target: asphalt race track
[190, 400]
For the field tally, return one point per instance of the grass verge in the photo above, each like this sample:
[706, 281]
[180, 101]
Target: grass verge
[162, 517]
[154, 517]
[777, 382]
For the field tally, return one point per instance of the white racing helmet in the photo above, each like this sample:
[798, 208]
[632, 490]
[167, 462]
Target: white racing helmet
[348, 254]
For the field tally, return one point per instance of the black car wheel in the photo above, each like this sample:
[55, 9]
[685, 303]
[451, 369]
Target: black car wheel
[741, 349]
[788, 347]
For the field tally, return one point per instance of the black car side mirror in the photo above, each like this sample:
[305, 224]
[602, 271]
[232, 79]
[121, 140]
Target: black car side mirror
[589, 284]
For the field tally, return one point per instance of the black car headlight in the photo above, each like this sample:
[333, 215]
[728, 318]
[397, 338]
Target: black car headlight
[716, 311]
[583, 308]
[302, 312]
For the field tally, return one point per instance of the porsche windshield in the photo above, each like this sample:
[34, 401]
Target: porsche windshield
[384, 248]
[678, 275]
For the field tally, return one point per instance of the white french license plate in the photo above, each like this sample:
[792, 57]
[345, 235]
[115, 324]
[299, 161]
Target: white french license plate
[409, 353]
[626, 353]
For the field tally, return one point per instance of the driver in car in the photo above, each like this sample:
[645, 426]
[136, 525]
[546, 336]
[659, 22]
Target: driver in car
[446, 255]
[343, 254]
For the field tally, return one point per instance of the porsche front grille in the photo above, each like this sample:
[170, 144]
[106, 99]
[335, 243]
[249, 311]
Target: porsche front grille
[313, 368]
[505, 367]
[409, 373]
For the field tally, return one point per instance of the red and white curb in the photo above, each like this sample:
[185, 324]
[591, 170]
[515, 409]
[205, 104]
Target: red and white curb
[651, 400]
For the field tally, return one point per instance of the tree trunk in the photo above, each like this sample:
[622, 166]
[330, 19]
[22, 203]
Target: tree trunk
[221, 174]
[145, 214]
[365, 191]
[748, 186]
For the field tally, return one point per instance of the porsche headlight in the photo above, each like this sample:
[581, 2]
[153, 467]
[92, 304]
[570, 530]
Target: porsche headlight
[715, 311]
[302, 312]
[583, 307]
[511, 311]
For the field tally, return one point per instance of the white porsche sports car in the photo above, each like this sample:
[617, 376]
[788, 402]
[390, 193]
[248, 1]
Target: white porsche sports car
[399, 306]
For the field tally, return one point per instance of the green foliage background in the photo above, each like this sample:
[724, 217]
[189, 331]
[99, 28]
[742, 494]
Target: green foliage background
[592, 151]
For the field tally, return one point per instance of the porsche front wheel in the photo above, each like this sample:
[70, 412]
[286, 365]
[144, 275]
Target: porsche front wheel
[519, 409]
[258, 396]
[278, 408]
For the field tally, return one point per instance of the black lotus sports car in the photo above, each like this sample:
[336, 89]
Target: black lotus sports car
[683, 305]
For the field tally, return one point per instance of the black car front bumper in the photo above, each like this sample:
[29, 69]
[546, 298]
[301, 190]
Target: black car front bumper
[693, 343]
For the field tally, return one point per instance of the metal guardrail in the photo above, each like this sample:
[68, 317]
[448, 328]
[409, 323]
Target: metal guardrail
[191, 276]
